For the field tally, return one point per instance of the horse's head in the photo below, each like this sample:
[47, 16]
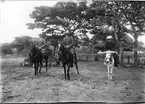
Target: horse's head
[33, 51]
[63, 53]
[61, 48]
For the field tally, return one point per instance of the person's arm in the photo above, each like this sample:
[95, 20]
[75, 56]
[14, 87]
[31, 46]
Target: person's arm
[101, 52]
[114, 52]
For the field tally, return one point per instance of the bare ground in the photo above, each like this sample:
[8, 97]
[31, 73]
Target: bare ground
[19, 84]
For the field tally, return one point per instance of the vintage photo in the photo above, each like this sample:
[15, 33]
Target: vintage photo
[55, 51]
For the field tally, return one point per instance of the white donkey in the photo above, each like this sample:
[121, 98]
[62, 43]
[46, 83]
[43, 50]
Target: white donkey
[109, 62]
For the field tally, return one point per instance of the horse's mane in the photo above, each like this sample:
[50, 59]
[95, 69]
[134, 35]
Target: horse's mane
[34, 50]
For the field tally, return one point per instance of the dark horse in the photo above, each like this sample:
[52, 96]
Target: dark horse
[66, 58]
[36, 58]
[47, 53]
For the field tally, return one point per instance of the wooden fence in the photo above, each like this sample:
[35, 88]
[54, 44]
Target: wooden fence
[127, 59]
[86, 57]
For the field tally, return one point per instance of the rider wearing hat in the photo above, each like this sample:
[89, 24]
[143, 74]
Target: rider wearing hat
[45, 46]
[110, 45]
[69, 43]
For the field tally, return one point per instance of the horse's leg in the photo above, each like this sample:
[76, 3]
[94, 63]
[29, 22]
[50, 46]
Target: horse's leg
[40, 66]
[108, 72]
[37, 65]
[64, 66]
[111, 72]
[68, 72]
[35, 68]
[46, 63]
[76, 64]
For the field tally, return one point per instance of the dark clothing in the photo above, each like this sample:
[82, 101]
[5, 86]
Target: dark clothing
[110, 45]
[116, 59]
[69, 42]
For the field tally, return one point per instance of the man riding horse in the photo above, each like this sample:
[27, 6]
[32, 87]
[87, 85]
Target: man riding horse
[69, 43]
[45, 46]
[47, 52]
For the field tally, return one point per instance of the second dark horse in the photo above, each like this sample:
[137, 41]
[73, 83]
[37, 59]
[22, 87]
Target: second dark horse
[67, 60]
[37, 55]
[36, 58]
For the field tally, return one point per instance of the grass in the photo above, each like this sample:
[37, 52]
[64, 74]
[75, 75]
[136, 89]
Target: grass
[19, 85]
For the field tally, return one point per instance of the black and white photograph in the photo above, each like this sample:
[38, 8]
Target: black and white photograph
[72, 51]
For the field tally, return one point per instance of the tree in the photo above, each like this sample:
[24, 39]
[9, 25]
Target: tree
[135, 17]
[22, 43]
[6, 49]
[118, 15]
[64, 16]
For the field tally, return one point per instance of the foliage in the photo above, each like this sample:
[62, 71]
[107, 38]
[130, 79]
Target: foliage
[6, 49]
[22, 42]
[101, 18]
[64, 16]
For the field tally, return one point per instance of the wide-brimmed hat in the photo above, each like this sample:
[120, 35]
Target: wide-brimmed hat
[109, 37]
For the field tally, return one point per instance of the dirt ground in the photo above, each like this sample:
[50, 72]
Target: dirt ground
[19, 84]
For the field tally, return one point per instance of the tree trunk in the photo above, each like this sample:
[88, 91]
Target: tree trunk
[135, 56]
[121, 57]
[120, 50]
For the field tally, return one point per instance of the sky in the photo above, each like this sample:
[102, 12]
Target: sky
[13, 18]
[15, 14]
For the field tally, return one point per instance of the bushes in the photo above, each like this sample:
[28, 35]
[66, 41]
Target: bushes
[6, 50]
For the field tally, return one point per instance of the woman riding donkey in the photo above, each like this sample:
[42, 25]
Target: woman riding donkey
[110, 58]
[110, 45]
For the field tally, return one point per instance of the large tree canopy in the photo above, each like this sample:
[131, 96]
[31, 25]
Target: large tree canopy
[101, 18]
[64, 16]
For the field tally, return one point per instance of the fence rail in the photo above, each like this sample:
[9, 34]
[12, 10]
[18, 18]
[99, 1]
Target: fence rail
[86, 56]
[127, 59]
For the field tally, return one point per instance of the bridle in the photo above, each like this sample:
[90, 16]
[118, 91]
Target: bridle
[35, 55]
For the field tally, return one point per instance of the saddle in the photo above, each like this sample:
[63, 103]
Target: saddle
[72, 55]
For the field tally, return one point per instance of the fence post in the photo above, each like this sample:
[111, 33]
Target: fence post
[128, 59]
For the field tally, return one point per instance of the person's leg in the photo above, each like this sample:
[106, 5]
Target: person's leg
[115, 59]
